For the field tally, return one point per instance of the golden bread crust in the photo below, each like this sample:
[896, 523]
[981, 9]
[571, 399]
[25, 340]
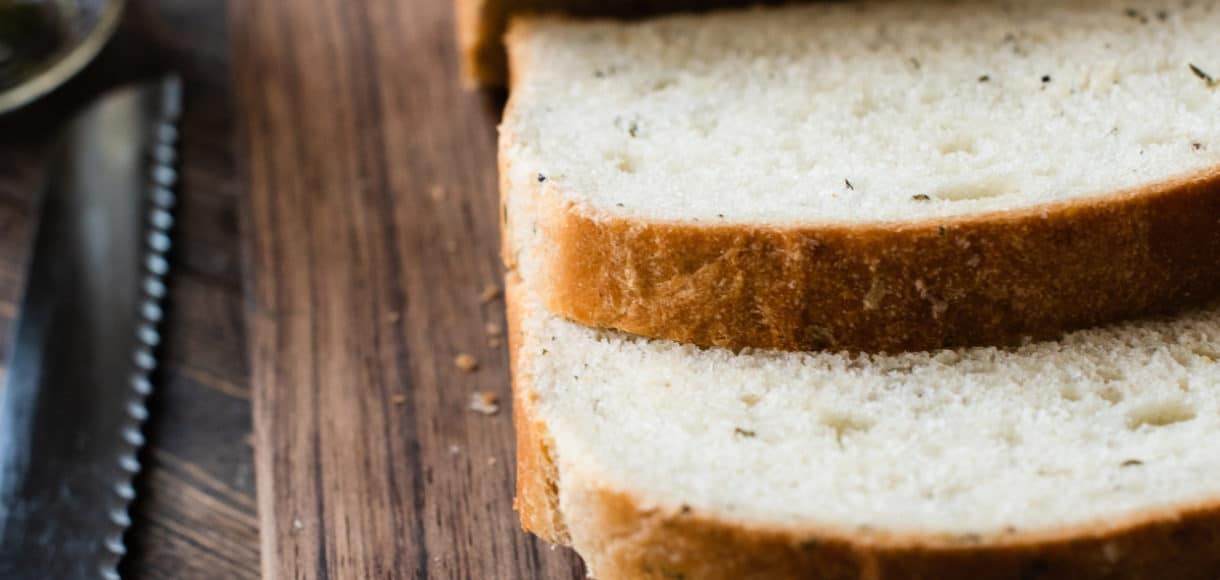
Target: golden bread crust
[993, 279]
[481, 26]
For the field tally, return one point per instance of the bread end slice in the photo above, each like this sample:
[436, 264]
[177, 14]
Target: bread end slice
[481, 25]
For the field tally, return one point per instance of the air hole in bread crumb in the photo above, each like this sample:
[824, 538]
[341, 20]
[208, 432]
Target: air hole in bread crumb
[1184, 357]
[1211, 354]
[845, 423]
[1110, 374]
[749, 399]
[1160, 414]
[704, 120]
[864, 106]
[957, 146]
[1111, 395]
[625, 165]
[968, 191]
[662, 84]
[1070, 393]
[1008, 434]
[1153, 139]
[1053, 471]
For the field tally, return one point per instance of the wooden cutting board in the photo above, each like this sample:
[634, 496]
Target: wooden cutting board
[370, 233]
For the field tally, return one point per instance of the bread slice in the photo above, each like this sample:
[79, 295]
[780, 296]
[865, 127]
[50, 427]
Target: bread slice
[868, 175]
[1097, 456]
[481, 25]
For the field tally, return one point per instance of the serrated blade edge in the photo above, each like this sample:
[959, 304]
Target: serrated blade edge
[85, 348]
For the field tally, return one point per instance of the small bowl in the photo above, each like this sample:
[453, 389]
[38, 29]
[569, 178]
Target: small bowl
[44, 62]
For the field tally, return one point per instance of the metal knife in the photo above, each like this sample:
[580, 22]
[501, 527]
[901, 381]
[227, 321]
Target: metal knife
[84, 346]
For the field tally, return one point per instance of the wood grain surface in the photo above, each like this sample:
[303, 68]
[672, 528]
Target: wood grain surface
[371, 238]
[195, 516]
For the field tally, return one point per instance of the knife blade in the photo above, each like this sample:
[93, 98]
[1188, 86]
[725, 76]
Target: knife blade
[85, 340]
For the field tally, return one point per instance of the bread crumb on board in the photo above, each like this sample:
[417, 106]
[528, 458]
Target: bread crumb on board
[399, 399]
[484, 403]
[492, 329]
[490, 293]
[466, 362]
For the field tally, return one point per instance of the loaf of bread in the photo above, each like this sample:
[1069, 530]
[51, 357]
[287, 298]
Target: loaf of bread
[868, 175]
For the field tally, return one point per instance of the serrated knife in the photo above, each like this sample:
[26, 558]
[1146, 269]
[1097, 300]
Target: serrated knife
[84, 345]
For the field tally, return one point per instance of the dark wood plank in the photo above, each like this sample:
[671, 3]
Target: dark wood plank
[371, 233]
[195, 516]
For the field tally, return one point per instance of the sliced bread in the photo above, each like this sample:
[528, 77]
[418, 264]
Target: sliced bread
[880, 176]
[1097, 456]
